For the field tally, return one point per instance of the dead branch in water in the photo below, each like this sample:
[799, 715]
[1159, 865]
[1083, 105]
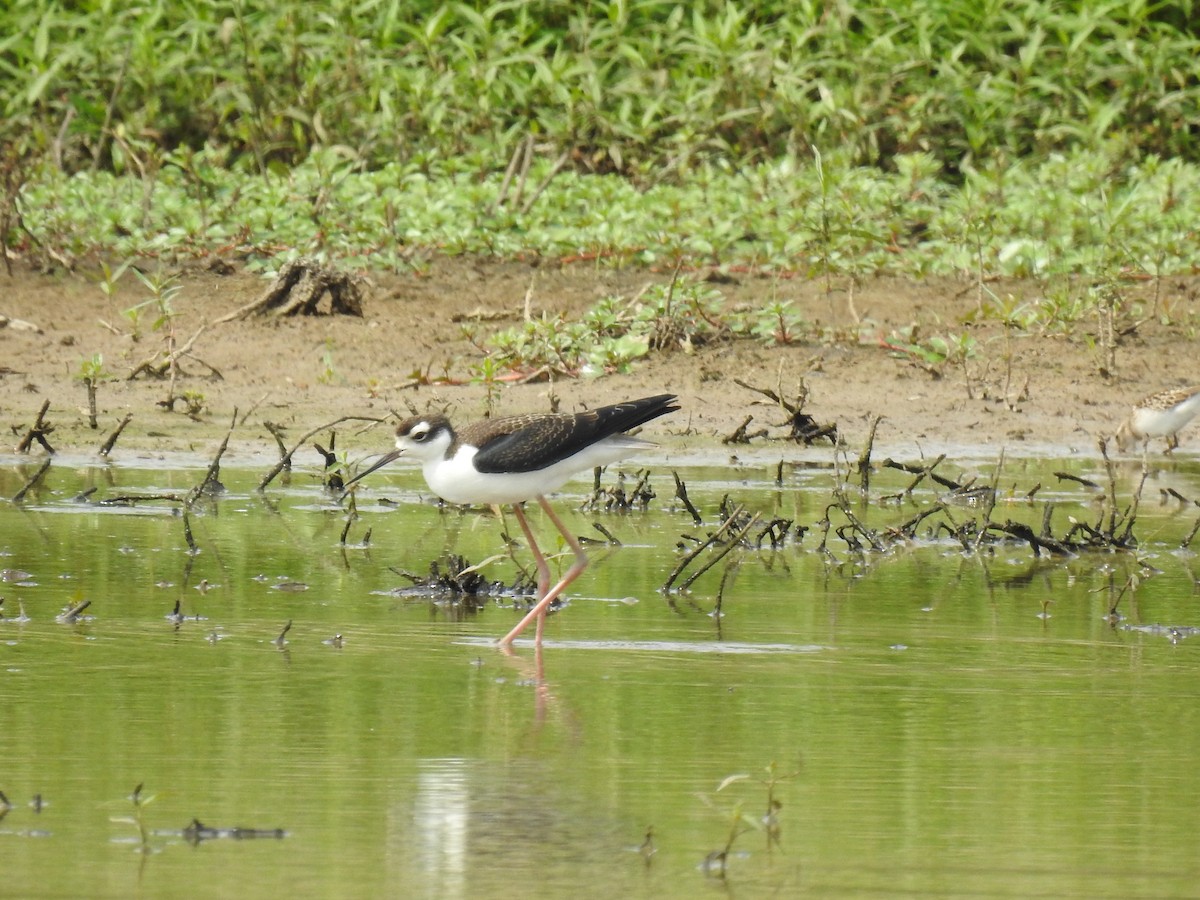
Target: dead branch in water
[38, 432]
[682, 494]
[733, 542]
[211, 483]
[924, 472]
[19, 496]
[110, 442]
[1023, 532]
[333, 477]
[864, 459]
[712, 539]
[285, 461]
[802, 428]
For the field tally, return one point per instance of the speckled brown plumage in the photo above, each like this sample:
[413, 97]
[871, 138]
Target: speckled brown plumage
[1160, 415]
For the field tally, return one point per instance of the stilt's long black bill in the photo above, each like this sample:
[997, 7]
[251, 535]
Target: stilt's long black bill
[379, 464]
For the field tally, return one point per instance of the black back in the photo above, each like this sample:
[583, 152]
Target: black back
[532, 442]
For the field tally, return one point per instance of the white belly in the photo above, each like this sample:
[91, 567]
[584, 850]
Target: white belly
[456, 481]
[1165, 422]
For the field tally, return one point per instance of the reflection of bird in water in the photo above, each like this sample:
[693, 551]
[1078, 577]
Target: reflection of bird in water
[518, 458]
[1160, 415]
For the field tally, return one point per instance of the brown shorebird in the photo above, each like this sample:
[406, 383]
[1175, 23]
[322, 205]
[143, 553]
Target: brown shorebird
[1160, 415]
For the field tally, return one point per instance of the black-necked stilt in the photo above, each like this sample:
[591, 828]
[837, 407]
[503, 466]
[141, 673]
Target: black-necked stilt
[519, 458]
[1160, 415]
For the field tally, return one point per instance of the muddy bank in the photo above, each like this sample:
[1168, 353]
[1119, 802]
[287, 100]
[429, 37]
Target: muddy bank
[1029, 392]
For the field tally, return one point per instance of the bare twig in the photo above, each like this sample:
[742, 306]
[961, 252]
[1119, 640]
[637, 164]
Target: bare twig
[286, 460]
[554, 170]
[737, 539]
[682, 494]
[712, 539]
[19, 496]
[38, 432]
[864, 458]
[110, 442]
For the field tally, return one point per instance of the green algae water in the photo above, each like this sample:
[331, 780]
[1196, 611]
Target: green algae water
[918, 720]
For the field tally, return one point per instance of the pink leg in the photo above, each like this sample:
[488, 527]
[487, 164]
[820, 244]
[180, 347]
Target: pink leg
[543, 568]
[546, 597]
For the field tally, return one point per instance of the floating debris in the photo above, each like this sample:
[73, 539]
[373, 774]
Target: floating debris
[72, 615]
[197, 831]
[290, 586]
[1174, 633]
[454, 580]
[617, 499]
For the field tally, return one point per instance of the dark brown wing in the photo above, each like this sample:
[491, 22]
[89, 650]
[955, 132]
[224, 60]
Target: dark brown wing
[529, 443]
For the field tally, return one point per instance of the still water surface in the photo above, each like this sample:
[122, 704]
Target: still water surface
[936, 723]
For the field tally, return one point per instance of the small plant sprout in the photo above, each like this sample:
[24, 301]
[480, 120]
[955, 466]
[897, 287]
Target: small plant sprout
[140, 801]
[716, 863]
[777, 323]
[193, 403]
[487, 373]
[740, 822]
[163, 289]
[110, 277]
[328, 373]
[91, 371]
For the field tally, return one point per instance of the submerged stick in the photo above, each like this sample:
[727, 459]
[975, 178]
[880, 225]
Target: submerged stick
[737, 539]
[1187, 541]
[38, 432]
[1067, 476]
[187, 531]
[925, 471]
[864, 459]
[990, 502]
[286, 460]
[19, 496]
[608, 535]
[277, 433]
[110, 442]
[1023, 532]
[712, 539]
[210, 481]
[682, 494]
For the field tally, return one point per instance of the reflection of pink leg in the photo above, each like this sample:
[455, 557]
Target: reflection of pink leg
[546, 597]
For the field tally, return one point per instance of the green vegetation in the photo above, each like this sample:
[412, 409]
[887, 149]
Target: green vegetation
[1037, 139]
[1083, 213]
[632, 86]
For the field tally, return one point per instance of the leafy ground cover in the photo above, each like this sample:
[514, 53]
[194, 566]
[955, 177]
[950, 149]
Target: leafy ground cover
[640, 87]
[1034, 139]
[764, 166]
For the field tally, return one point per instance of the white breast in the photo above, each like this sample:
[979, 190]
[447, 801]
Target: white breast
[456, 481]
